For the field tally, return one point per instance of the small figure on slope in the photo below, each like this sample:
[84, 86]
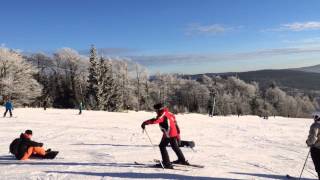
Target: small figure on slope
[313, 142]
[45, 104]
[9, 107]
[166, 121]
[24, 148]
[210, 110]
[80, 108]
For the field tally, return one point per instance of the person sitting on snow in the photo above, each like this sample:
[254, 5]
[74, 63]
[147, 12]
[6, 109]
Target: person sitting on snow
[24, 148]
[166, 121]
[313, 142]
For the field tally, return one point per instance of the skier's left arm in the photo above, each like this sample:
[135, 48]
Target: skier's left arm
[313, 135]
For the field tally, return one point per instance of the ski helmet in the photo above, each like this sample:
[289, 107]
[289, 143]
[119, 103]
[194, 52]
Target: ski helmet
[28, 132]
[158, 106]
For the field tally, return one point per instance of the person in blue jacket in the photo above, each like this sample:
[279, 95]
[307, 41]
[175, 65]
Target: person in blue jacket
[9, 107]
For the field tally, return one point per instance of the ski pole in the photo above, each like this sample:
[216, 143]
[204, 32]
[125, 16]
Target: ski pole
[305, 162]
[145, 130]
[149, 139]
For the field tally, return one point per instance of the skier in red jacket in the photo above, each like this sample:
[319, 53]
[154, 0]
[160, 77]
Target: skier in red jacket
[167, 123]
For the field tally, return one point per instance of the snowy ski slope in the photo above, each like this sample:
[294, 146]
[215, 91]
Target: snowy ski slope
[105, 145]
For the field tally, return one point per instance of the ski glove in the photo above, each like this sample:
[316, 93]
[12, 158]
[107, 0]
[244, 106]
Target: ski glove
[309, 145]
[143, 125]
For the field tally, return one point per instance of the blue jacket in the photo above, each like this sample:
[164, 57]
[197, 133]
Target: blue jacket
[8, 105]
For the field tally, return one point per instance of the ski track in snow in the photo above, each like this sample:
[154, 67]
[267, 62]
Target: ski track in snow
[105, 145]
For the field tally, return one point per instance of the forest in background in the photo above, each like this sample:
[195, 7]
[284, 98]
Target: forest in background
[66, 78]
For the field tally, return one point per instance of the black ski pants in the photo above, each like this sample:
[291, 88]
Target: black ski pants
[5, 113]
[315, 155]
[174, 145]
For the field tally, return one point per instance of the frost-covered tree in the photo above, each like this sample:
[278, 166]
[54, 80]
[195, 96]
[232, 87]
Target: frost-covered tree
[92, 89]
[69, 72]
[44, 64]
[117, 84]
[109, 92]
[120, 69]
[17, 78]
[105, 84]
[139, 79]
[116, 103]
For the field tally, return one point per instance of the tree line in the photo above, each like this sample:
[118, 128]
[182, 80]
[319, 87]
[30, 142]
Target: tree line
[66, 78]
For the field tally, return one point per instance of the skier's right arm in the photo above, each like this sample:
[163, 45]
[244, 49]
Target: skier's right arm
[157, 120]
[313, 136]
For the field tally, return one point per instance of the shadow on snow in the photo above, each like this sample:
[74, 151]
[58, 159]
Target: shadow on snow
[270, 176]
[114, 145]
[10, 160]
[134, 175]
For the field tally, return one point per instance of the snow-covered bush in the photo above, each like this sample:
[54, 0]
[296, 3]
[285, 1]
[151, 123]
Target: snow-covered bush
[17, 78]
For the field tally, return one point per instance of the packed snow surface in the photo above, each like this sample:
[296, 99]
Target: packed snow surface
[105, 145]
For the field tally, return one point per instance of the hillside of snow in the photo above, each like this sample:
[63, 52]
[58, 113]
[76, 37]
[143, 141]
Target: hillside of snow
[105, 145]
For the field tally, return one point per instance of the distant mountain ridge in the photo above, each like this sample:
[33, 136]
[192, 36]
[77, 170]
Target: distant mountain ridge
[315, 69]
[307, 78]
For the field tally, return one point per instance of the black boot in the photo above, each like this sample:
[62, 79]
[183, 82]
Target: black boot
[51, 155]
[181, 162]
[168, 166]
[189, 144]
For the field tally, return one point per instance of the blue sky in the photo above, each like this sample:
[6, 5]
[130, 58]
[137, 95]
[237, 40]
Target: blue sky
[185, 36]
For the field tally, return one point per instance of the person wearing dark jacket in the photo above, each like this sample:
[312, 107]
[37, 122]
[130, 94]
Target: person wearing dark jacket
[45, 104]
[313, 142]
[166, 121]
[28, 148]
[9, 107]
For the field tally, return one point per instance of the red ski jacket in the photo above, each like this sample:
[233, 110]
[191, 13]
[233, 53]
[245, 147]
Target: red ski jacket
[167, 123]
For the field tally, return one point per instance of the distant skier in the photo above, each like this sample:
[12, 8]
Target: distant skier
[9, 107]
[80, 108]
[210, 110]
[313, 142]
[166, 121]
[24, 148]
[239, 111]
[45, 104]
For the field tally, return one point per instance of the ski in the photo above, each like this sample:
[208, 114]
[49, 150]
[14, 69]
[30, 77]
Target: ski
[175, 164]
[157, 166]
[191, 165]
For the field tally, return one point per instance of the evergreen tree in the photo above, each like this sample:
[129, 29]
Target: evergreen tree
[116, 103]
[105, 83]
[109, 93]
[92, 89]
